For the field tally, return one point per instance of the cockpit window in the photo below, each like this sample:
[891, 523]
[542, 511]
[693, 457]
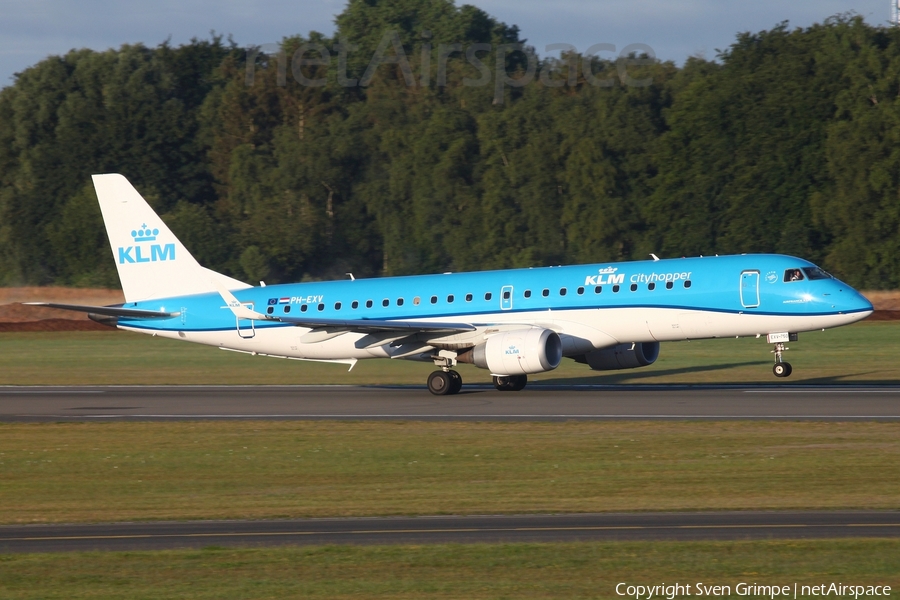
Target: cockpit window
[793, 275]
[814, 273]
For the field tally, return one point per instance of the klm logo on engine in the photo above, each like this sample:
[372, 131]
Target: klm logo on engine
[606, 276]
[145, 253]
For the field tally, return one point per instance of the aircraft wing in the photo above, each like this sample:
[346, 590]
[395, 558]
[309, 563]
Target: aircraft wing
[375, 325]
[110, 311]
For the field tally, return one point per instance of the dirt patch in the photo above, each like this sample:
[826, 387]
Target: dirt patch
[885, 315]
[15, 316]
[55, 325]
[884, 300]
[12, 311]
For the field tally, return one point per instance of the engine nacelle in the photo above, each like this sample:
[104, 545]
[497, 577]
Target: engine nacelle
[623, 356]
[517, 352]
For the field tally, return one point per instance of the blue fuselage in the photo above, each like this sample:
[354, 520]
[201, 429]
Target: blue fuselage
[752, 284]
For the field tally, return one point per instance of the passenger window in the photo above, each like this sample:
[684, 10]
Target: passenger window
[687, 283]
[337, 306]
[580, 291]
[545, 292]
[355, 305]
[633, 287]
[399, 301]
[304, 307]
[468, 297]
[506, 295]
[563, 291]
[651, 286]
[527, 293]
[321, 307]
[450, 298]
[669, 285]
[270, 309]
[385, 302]
[615, 289]
[417, 301]
[434, 299]
[488, 296]
[368, 304]
[793, 275]
[598, 289]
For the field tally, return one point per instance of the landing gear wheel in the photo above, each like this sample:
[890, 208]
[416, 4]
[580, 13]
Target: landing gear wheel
[782, 369]
[501, 382]
[441, 383]
[510, 383]
[457, 382]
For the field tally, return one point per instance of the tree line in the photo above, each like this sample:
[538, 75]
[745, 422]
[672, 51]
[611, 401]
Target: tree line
[270, 166]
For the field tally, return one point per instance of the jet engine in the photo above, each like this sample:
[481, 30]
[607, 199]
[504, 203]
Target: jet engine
[517, 352]
[623, 356]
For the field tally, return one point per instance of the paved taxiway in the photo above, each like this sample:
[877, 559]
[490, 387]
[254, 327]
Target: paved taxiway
[475, 403]
[430, 530]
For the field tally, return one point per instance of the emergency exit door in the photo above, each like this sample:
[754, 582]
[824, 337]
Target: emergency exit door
[506, 297]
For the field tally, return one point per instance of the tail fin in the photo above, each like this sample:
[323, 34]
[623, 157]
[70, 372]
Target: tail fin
[152, 263]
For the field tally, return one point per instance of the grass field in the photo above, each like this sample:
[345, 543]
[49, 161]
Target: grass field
[865, 352]
[73, 472]
[578, 570]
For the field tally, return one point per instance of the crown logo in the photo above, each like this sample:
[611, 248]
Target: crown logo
[144, 234]
[608, 270]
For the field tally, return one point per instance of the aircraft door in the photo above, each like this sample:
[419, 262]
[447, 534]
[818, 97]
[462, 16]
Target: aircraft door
[506, 297]
[245, 327]
[750, 289]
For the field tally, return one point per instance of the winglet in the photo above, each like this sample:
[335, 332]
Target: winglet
[239, 310]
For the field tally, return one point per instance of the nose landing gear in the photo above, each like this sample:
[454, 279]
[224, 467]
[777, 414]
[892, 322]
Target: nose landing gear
[781, 368]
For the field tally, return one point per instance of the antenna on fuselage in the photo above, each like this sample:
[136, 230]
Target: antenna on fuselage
[352, 278]
[655, 257]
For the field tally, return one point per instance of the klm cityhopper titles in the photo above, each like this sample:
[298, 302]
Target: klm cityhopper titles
[512, 322]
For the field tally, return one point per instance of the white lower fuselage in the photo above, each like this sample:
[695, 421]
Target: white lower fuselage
[580, 331]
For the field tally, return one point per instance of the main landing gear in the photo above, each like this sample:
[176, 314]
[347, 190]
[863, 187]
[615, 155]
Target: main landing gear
[448, 382]
[510, 383]
[444, 383]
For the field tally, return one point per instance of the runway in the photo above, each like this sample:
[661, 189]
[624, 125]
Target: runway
[475, 403]
[433, 530]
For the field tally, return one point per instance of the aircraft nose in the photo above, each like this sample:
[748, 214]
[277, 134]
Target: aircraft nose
[855, 302]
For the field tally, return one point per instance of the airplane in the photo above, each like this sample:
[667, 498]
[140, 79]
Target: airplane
[513, 322]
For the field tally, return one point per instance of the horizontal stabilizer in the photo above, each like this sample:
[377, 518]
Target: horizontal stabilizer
[110, 311]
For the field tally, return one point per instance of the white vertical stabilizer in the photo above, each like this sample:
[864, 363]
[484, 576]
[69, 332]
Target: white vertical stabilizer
[151, 261]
